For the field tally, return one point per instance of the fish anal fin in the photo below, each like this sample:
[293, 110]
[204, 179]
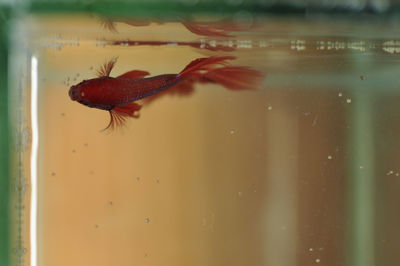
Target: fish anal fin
[106, 68]
[129, 109]
[134, 74]
[119, 114]
[183, 88]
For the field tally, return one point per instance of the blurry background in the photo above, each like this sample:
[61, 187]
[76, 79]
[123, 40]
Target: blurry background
[300, 171]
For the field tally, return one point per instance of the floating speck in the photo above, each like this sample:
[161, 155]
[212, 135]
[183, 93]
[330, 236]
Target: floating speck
[311, 249]
[158, 181]
[232, 132]
[91, 68]
[240, 193]
[390, 172]
[145, 255]
[361, 167]
[362, 77]
[62, 114]
[73, 151]
[85, 144]
[110, 203]
[317, 260]
[137, 179]
[53, 174]
[340, 94]
[329, 157]
[77, 74]
[96, 226]
[348, 100]
[269, 108]
[147, 220]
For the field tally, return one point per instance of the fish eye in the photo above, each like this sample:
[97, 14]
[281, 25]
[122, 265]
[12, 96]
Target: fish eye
[73, 93]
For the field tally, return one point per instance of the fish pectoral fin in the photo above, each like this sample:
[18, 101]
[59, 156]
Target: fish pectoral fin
[106, 68]
[119, 114]
[134, 74]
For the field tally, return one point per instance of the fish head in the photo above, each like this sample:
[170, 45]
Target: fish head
[76, 92]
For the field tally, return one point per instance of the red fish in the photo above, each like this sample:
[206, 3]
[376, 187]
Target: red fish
[118, 95]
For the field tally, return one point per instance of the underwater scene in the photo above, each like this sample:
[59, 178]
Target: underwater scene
[211, 141]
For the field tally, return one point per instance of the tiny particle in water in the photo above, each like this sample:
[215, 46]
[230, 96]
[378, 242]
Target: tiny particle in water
[361, 167]
[91, 68]
[232, 132]
[85, 144]
[53, 174]
[311, 249]
[390, 172]
[362, 77]
[317, 260]
[62, 114]
[145, 255]
[96, 226]
[137, 179]
[340, 94]
[73, 151]
[348, 100]
[147, 220]
[77, 74]
[110, 203]
[269, 108]
[240, 193]
[158, 181]
[329, 157]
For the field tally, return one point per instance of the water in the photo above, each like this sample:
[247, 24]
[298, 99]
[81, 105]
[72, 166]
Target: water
[301, 171]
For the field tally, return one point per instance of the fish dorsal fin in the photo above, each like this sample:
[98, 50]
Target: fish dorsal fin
[106, 68]
[134, 74]
[119, 114]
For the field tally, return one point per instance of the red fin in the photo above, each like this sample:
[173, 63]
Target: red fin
[134, 74]
[106, 68]
[184, 88]
[119, 114]
[198, 66]
[217, 70]
[205, 29]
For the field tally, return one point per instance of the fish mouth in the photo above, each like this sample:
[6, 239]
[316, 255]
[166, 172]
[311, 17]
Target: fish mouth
[73, 93]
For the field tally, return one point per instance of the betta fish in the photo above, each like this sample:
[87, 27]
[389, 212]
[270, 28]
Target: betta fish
[118, 95]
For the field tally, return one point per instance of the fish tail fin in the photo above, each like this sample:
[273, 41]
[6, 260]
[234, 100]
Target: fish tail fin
[216, 69]
[213, 69]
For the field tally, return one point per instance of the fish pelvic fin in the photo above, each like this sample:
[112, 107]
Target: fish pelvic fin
[119, 114]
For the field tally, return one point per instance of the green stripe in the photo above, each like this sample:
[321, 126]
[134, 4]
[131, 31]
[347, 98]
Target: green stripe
[4, 144]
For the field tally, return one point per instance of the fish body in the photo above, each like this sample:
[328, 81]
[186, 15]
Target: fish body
[118, 95]
[107, 92]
